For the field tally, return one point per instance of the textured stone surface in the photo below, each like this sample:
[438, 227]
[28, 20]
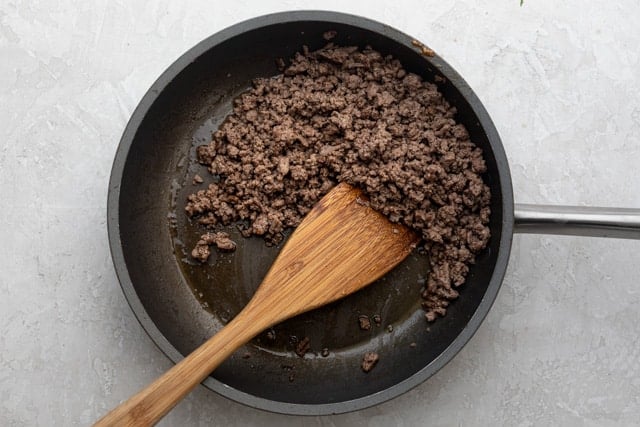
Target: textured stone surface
[561, 81]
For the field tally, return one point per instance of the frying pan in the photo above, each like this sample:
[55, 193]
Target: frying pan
[180, 304]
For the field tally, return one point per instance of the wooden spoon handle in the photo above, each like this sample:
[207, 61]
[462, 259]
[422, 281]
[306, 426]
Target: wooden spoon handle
[341, 246]
[152, 403]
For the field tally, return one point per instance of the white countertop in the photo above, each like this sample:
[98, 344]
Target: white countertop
[561, 81]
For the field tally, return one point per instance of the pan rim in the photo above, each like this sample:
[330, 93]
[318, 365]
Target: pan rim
[117, 253]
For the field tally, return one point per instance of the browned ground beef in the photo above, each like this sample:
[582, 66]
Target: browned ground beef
[342, 114]
[369, 360]
[220, 239]
[364, 322]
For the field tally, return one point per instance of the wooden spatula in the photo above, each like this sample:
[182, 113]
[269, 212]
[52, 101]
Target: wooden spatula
[341, 246]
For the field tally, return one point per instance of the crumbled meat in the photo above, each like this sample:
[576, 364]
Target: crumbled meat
[341, 114]
[303, 346]
[425, 50]
[197, 179]
[329, 35]
[377, 319]
[364, 322]
[222, 240]
[369, 361]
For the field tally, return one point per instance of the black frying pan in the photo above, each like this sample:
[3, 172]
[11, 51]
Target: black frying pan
[181, 304]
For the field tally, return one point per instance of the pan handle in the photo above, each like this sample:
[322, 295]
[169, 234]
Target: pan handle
[621, 223]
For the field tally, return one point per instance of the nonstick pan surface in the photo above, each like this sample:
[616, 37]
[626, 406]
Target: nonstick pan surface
[181, 303]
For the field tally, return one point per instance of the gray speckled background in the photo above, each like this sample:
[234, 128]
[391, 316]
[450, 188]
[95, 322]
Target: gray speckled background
[562, 83]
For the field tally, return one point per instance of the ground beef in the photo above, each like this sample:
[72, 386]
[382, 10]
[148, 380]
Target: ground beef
[303, 346]
[344, 114]
[220, 239]
[369, 360]
[364, 322]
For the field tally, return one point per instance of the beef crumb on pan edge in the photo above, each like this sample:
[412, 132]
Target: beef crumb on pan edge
[340, 114]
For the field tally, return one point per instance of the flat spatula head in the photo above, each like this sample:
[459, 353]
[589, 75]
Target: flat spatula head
[341, 246]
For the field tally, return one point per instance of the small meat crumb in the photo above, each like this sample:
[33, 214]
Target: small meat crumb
[303, 347]
[221, 239]
[377, 319]
[224, 243]
[439, 79]
[369, 361]
[329, 35]
[365, 323]
[425, 50]
[197, 179]
[325, 352]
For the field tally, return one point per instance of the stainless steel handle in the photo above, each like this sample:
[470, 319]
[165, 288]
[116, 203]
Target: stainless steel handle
[621, 223]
